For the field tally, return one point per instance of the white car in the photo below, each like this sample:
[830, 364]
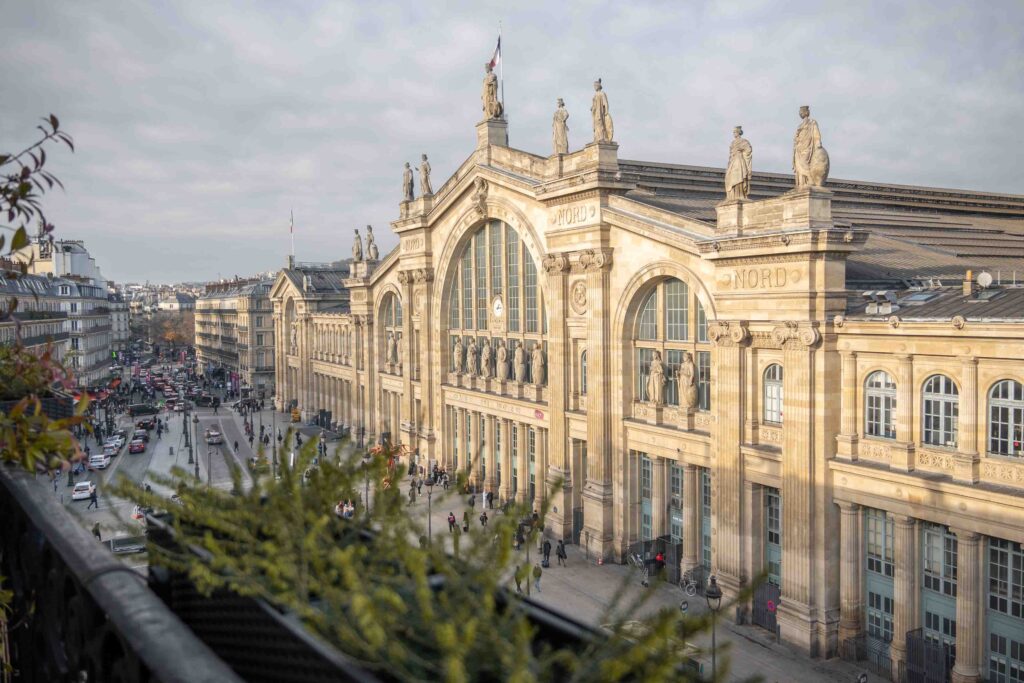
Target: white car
[99, 461]
[117, 439]
[213, 437]
[83, 490]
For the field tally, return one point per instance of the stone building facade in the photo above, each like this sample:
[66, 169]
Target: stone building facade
[235, 332]
[798, 386]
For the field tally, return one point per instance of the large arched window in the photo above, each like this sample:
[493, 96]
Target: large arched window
[772, 392]
[940, 410]
[1006, 418]
[390, 323]
[495, 274]
[880, 405]
[665, 324]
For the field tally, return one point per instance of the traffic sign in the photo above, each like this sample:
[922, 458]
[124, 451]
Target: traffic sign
[684, 605]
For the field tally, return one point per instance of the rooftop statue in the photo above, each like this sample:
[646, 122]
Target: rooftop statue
[604, 129]
[492, 107]
[560, 129]
[407, 191]
[357, 247]
[810, 160]
[737, 173]
[425, 187]
[371, 245]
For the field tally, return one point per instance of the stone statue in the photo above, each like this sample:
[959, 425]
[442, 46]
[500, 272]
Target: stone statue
[471, 354]
[398, 350]
[604, 129]
[357, 247]
[425, 187]
[371, 245]
[457, 357]
[687, 375]
[560, 129]
[390, 354]
[407, 190]
[737, 173]
[537, 364]
[295, 339]
[656, 381]
[492, 107]
[502, 365]
[486, 354]
[520, 363]
[810, 160]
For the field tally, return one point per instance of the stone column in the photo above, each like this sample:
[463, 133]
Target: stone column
[489, 448]
[903, 452]
[691, 519]
[658, 504]
[797, 620]
[967, 460]
[542, 466]
[753, 533]
[523, 464]
[849, 571]
[598, 492]
[969, 607]
[506, 461]
[850, 407]
[559, 517]
[727, 501]
[904, 585]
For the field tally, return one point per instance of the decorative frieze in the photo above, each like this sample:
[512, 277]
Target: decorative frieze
[1008, 473]
[578, 297]
[770, 436]
[875, 451]
[936, 461]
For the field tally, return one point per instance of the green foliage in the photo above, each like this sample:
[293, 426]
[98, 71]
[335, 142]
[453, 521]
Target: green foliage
[368, 584]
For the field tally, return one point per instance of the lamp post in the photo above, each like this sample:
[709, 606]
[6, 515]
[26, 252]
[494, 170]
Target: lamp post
[366, 494]
[188, 440]
[713, 595]
[195, 424]
[430, 492]
[273, 428]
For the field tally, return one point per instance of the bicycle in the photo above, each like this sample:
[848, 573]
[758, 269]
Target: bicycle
[638, 563]
[689, 584]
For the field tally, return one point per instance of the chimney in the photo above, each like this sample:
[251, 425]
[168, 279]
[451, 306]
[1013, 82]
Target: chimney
[968, 285]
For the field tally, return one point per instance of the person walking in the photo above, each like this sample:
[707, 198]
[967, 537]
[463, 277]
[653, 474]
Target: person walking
[483, 519]
[93, 500]
[518, 576]
[451, 522]
[561, 554]
[472, 501]
[547, 552]
[536, 576]
[96, 532]
[465, 520]
[236, 445]
[419, 485]
[412, 494]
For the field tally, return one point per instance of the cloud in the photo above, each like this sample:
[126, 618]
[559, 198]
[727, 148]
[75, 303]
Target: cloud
[200, 125]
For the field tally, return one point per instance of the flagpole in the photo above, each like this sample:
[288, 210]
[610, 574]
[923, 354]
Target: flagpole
[501, 74]
[292, 231]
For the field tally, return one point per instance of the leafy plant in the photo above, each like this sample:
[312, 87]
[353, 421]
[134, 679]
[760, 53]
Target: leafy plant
[368, 584]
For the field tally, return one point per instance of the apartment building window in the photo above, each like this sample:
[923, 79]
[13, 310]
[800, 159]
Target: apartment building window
[259, 340]
[773, 394]
[880, 405]
[259, 322]
[878, 534]
[1006, 417]
[940, 411]
[940, 551]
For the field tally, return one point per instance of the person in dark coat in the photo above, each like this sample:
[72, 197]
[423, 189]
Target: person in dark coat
[547, 551]
[561, 554]
[451, 522]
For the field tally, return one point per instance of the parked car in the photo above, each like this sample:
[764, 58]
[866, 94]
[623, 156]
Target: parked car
[110, 450]
[137, 446]
[115, 440]
[99, 461]
[140, 434]
[83, 490]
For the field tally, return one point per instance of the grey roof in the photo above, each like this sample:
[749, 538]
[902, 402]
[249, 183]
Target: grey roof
[914, 232]
[322, 280]
[996, 303]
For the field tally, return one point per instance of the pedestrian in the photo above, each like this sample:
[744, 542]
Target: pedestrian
[465, 520]
[444, 479]
[535, 519]
[483, 519]
[236, 445]
[547, 552]
[94, 501]
[451, 522]
[96, 532]
[560, 553]
[412, 495]
[518, 576]
[490, 500]
[55, 483]
[520, 539]
[419, 485]
[472, 501]
[536, 576]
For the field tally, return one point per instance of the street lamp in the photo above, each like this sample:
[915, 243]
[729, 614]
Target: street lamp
[195, 423]
[366, 473]
[713, 595]
[188, 438]
[430, 492]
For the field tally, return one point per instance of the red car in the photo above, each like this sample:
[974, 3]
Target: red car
[137, 446]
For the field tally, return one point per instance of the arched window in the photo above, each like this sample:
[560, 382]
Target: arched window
[880, 405]
[495, 275]
[390, 322]
[583, 373]
[663, 324]
[772, 392]
[940, 411]
[1006, 418]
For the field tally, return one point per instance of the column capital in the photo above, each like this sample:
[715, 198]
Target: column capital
[904, 357]
[965, 535]
[847, 507]
[968, 360]
[904, 521]
[689, 467]
[848, 355]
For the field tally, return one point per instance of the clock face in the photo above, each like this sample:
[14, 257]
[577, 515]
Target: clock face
[497, 307]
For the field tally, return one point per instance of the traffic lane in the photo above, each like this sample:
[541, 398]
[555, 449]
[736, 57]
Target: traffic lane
[232, 435]
[214, 465]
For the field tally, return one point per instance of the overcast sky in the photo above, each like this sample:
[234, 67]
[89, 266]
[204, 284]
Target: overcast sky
[200, 125]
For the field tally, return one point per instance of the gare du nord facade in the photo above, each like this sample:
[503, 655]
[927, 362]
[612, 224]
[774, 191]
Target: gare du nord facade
[842, 406]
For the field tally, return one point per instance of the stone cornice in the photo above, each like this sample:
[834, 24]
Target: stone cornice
[815, 239]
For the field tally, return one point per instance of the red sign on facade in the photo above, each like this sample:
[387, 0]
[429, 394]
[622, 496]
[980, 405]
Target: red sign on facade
[539, 414]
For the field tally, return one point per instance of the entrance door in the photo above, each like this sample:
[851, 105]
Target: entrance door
[577, 524]
[766, 603]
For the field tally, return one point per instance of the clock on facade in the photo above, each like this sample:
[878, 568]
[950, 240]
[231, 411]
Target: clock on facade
[497, 307]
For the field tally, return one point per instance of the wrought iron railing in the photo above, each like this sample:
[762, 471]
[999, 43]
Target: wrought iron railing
[78, 613]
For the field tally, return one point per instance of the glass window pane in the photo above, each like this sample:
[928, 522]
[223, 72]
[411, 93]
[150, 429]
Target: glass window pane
[512, 263]
[677, 313]
[648, 327]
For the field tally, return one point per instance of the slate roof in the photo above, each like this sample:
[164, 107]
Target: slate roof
[997, 303]
[915, 233]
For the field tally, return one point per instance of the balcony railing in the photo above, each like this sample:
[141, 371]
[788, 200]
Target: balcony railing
[82, 614]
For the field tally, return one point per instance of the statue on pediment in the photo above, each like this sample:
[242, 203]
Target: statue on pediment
[604, 129]
[501, 368]
[739, 169]
[425, 186]
[492, 106]
[560, 129]
[407, 189]
[371, 245]
[357, 248]
[810, 160]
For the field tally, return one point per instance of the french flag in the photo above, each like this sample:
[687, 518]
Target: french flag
[496, 59]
